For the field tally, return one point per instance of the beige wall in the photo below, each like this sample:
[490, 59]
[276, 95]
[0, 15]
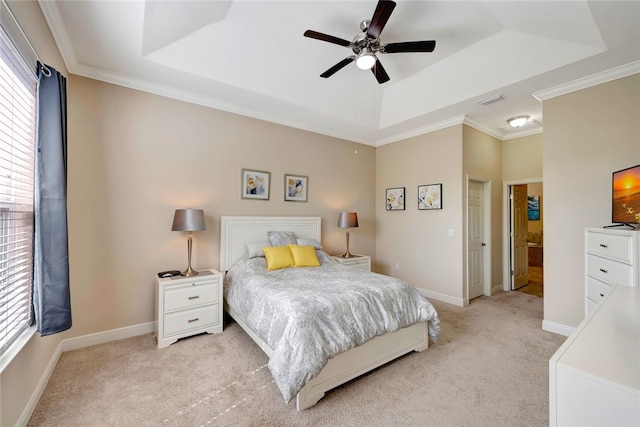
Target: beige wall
[522, 158]
[588, 134]
[22, 376]
[418, 240]
[136, 157]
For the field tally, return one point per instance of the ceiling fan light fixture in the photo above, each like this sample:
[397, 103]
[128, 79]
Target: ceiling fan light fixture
[365, 59]
[518, 121]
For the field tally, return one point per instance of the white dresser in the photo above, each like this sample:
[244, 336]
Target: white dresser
[594, 377]
[188, 305]
[612, 258]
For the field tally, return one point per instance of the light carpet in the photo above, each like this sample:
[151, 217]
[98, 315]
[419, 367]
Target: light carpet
[488, 368]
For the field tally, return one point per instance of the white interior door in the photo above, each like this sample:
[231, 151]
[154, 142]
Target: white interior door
[519, 247]
[475, 244]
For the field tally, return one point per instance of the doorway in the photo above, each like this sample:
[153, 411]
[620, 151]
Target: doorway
[478, 237]
[524, 245]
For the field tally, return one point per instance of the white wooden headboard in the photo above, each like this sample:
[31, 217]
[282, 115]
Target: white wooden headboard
[235, 231]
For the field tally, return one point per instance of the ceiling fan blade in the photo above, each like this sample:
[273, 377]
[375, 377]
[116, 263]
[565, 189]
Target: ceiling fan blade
[380, 17]
[380, 73]
[423, 46]
[340, 65]
[326, 38]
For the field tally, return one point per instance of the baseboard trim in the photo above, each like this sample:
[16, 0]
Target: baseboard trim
[557, 328]
[108, 336]
[27, 412]
[444, 298]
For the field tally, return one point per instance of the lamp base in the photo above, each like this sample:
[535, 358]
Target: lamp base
[347, 255]
[190, 272]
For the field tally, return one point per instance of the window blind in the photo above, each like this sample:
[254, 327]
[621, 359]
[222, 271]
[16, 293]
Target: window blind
[17, 145]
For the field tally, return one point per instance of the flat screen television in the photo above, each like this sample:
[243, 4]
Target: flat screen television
[626, 197]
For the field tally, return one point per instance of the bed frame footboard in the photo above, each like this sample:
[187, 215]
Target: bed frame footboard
[353, 363]
[359, 360]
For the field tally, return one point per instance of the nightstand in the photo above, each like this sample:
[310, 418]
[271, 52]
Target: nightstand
[363, 262]
[188, 306]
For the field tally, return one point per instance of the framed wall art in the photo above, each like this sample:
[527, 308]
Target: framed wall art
[255, 184]
[295, 188]
[395, 199]
[429, 196]
[533, 208]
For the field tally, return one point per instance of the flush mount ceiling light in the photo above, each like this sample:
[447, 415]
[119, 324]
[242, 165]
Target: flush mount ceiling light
[519, 121]
[365, 59]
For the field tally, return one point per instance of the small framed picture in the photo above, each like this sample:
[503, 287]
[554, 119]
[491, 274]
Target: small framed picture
[429, 196]
[295, 188]
[255, 184]
[533, 208]
[395, 199]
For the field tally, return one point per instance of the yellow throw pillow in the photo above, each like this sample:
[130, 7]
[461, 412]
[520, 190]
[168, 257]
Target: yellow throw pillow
[278, 257]
[304, 256]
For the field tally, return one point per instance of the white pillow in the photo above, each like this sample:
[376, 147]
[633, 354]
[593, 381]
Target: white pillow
[254, 249]
[309, 242]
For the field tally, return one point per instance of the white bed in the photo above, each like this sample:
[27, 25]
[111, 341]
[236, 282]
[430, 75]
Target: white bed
[236, 231]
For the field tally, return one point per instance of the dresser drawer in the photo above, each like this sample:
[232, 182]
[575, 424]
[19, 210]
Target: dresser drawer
[597, 290]
[197, 318]
[190, 295]
[609, 271]
[614, 246]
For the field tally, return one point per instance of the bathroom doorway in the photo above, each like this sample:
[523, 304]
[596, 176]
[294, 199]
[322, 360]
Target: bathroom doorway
[524, 269]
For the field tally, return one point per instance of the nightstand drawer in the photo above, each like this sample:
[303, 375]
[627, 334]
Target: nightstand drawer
[597, 290]
[354, 261]
[197, 318]
[609, 271]
[614, 246]
[361, 262]
[190, 295]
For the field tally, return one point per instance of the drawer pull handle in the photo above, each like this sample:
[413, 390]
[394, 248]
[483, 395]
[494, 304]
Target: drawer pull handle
[603, 270]
[601, 294]
[196, 297]
[603, 245]
[193, 320]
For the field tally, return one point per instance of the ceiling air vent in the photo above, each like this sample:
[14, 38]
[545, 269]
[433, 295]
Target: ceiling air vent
[491, 99]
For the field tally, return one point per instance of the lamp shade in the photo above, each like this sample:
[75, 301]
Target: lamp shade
[347, 220]
[188, 220]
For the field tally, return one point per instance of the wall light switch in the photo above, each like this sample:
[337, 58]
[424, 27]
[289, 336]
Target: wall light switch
[451, 232]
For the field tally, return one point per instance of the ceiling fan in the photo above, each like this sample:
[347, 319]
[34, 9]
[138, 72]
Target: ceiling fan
[367, 44]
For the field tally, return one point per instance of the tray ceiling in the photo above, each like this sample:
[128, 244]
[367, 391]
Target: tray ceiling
[250, 57]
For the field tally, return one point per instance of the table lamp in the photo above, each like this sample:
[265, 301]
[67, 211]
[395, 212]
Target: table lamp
[347, 220]
[189, 220]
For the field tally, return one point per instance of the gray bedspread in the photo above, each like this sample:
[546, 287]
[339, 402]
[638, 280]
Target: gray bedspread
[308, 315]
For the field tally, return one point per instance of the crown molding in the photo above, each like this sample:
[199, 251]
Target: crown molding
[522, 134]
[458, 120]
[471, 123]
[592, 80]
[59, 33]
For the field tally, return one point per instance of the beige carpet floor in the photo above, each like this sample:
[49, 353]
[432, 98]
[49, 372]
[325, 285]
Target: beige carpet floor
[489, 368]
